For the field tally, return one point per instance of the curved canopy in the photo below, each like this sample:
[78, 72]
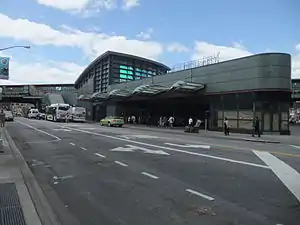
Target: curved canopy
[84, 97]
[149, 89]
[99, 95]
[119, 93]
[186, 86]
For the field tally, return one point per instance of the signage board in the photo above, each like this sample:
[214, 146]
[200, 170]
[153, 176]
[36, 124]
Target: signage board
[4, 68]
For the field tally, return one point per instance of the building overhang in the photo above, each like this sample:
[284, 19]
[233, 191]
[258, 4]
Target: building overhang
[99, 96]
[149, 89]
[183, 86]
[119, 93]
[84, 97]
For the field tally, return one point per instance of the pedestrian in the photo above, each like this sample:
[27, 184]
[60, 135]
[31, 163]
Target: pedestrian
[149, 118]
[67, 118]
[2, 118]
[226, 127]
[190, 123]
[171, 121]
[256, 125]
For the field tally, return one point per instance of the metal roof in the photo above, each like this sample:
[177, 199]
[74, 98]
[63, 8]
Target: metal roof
[149, 90]
[117, 54]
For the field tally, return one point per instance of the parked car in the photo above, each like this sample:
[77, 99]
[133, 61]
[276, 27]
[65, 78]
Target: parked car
[9, 116]
[41, 116]
[112, 121]
[33, 113]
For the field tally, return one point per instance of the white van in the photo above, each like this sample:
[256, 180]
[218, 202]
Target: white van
[33, 113]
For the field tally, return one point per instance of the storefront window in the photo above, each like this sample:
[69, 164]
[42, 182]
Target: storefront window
[220, 123]
[284, 116]
[275, 122]
[246, 124]
[232, 123]
[246, 115]
[230, 115]
[220, 115]
[267, 121]
[284, 125]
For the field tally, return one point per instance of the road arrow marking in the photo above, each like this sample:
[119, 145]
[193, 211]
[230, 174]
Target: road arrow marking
[189, 146]
[132, 148]
[123, 149]
[149, 151]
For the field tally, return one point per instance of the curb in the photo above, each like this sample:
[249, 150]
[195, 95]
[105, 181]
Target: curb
[261, 141]
[41, 204]
[211, 136]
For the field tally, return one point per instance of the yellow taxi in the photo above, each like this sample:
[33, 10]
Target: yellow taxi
[112, 121]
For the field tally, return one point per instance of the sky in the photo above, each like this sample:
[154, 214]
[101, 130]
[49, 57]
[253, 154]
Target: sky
[66, 35]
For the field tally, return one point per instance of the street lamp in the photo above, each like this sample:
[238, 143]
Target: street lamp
[15, 46]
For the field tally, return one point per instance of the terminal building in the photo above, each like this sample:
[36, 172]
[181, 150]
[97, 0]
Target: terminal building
[259, 85]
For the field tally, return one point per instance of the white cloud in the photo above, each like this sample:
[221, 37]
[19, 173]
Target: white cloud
[93, 44]
[65, 4]
[296, 63]
[46, 72]
[204, 49]
[88, 7]
[129, 4]
[177, 47]
[146, 35]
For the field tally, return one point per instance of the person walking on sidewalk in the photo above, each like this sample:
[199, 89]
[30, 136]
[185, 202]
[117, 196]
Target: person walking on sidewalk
[256, 127]
[171, 121]
[2, 118]
[226, 126]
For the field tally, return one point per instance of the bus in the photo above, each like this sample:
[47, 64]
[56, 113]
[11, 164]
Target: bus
[57, 112]
[78, 114]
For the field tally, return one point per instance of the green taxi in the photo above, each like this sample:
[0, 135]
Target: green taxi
[112, 121]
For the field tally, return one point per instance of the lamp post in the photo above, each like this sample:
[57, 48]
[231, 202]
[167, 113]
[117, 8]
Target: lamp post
[15, 46]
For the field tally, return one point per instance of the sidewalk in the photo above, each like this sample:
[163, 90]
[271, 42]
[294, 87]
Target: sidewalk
[275, 139]
[18, 198]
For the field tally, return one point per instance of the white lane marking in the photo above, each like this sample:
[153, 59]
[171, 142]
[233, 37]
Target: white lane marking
[142, 136]
[175, 150]
[200, 194]
[120, 163]
[40, 142]
[295, 146]
[102, 156]
[189, 146]
[150, 175]
[61, 129]
[41, 131]
[83, 148]
[288, 175]
[71, 143]
[66, 177]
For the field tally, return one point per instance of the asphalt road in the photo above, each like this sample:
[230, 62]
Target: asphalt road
[99, 175]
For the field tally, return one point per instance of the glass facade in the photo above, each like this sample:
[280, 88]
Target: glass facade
[129, 73]
[115, 68]
[271, 108]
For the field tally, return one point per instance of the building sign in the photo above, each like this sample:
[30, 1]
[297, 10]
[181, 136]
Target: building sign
[4, 68]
